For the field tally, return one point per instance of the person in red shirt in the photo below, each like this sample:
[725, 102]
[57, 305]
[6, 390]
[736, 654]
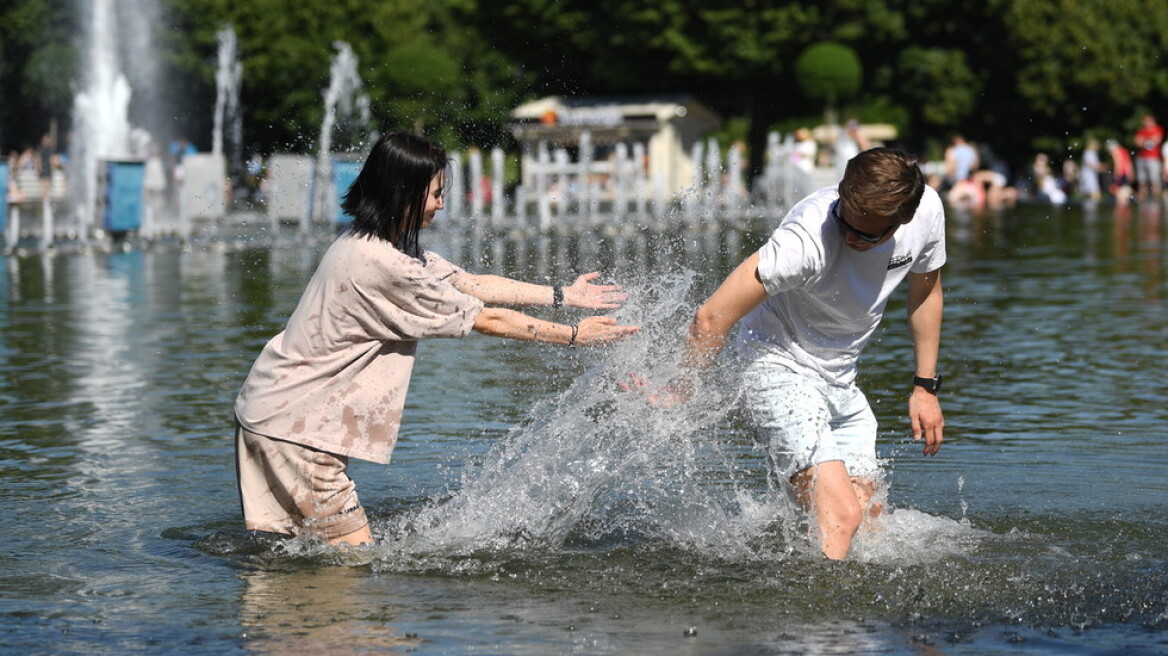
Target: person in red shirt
[1148, 140]
[1122, 171]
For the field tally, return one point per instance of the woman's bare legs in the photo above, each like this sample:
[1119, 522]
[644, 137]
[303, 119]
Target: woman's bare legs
[357, 538]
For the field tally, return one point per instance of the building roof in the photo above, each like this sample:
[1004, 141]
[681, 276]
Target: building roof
[607, 118]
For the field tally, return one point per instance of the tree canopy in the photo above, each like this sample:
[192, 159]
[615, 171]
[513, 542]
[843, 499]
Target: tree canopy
[829, 71]
[36, 66]
[1010, 73]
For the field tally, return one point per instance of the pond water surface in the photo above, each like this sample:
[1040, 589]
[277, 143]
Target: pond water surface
[534, 508]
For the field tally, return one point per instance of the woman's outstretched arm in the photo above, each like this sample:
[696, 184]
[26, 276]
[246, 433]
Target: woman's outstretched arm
[591, 331]
[498, 290]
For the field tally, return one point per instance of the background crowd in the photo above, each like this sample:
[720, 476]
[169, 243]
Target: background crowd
[1135, 169]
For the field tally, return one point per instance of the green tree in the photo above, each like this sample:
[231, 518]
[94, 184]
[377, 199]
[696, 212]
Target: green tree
[1004, 72]
[37, 64]
[940, 82]
[1087, 62]
[829, 72]
[735, 56]
[421, 67]
[952, 72]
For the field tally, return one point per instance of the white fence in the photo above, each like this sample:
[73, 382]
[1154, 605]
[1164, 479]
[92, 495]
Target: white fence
[617, 191]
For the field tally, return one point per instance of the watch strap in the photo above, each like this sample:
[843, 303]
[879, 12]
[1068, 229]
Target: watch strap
[930, 384]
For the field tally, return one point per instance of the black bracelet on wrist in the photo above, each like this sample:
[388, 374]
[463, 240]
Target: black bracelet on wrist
[557, 296]
[575, 332]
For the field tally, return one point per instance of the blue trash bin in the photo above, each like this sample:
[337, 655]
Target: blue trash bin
[122, 211]
[344, 173]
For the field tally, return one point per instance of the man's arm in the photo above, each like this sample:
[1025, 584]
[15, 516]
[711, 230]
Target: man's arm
[741, 292]
[925, 306]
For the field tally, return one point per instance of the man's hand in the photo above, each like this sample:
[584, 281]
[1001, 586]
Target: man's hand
[924, 411]
[667, 396]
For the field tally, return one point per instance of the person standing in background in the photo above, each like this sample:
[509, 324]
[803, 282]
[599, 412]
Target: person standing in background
[1148, 140]
[46, 161]
[961, 161]
[1122, 172]
[1089, 174]
[1164, 169]
[805, 151]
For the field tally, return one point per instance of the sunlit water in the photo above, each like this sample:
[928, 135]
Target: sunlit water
[533, 507]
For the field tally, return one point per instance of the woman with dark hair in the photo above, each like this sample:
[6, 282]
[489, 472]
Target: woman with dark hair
[388, 199]
[332, 385]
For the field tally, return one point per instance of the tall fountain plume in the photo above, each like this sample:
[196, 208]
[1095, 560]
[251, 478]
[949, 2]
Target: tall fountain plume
[344, 103]
[101, 118]
[102, 127]
[345, 106]
[228, 119]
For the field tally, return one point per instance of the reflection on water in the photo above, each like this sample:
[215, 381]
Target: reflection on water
[315, 611]
[534, 508]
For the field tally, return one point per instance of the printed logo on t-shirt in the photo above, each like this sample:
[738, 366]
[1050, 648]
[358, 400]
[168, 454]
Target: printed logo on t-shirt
[897, 261]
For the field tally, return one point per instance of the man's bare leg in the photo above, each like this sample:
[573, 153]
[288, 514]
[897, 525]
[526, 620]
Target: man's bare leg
[865, 491]
[827, 489]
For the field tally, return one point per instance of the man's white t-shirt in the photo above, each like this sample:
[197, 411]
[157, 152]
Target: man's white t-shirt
[825, 299]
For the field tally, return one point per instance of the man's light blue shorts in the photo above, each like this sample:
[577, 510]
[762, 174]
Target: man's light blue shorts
[803, 421]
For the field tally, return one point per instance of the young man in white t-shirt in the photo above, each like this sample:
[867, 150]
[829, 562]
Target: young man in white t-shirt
[808, 301]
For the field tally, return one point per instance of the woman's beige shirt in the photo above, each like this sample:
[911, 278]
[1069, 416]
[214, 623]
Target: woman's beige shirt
[336, 378]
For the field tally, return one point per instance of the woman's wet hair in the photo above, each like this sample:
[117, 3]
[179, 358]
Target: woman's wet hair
[883, 182]
[388, 197]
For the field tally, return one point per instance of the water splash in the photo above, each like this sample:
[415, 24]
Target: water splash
[596, 464]
[596, 468]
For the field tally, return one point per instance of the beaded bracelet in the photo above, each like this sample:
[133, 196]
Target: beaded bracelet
[557, 295]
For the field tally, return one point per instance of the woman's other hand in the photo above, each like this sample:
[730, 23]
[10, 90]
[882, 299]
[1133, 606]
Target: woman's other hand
[598, 331]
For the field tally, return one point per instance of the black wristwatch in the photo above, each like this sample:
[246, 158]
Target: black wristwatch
[931, 384]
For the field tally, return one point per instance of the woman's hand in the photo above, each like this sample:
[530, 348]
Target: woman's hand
[598, 331]
[584, 294]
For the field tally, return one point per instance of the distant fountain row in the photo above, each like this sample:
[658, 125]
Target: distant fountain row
[303, 194]
[567, 195]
